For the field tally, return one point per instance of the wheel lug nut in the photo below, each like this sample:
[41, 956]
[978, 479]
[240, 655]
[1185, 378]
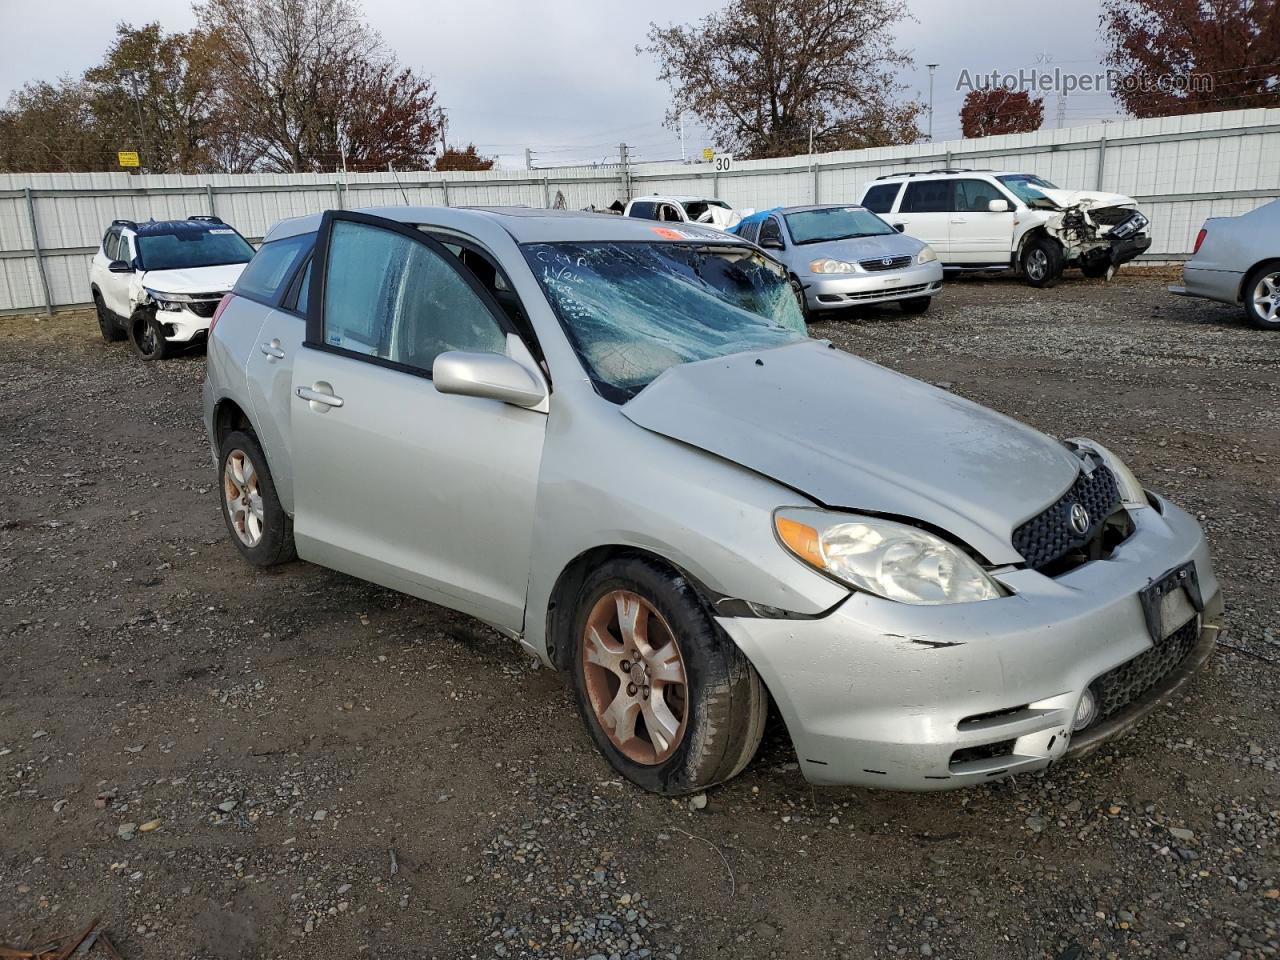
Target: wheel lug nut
[626, 666]
[646, 692]
[631, 689]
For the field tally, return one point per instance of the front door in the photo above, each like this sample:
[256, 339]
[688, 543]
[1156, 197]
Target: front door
[926, 213]
[977, 234]
[427, 493]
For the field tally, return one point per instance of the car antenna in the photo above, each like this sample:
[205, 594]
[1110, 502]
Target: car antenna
[392, 168]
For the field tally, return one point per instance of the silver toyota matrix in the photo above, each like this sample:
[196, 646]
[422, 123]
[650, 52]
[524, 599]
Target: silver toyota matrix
[614, 441]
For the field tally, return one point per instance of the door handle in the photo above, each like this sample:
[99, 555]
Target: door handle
[320, 395]
[959, 220]
[272, 349]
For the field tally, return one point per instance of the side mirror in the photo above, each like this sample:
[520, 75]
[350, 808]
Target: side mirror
[772, 244]
[489, 375]
[120, 266]
[998, 206]
[900, 227]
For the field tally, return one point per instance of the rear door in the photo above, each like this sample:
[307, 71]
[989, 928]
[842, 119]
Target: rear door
[427, 493]
[925, 211]
[977, 234]
[115, 286]
[277, 278]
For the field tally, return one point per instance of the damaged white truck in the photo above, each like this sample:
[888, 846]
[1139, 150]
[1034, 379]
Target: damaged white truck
[158, 283]
[991, 220]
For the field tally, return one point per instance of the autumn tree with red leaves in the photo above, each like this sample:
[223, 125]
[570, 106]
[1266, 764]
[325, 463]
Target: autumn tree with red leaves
[467, 158]
[988, 112]
[1191, 56]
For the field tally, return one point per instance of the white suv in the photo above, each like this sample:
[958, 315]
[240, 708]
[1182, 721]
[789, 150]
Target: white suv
[158, 283]
[989, 220]
[703, 210]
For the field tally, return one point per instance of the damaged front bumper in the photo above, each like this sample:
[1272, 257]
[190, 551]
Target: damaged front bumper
[903, 697]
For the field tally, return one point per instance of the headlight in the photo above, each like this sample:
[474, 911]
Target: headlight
[926, 255]
[830, 266]
[891, 560]
[168, 301]
[1131, 492]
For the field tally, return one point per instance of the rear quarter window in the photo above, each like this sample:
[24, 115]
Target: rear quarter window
[267, 276]
[879, 199]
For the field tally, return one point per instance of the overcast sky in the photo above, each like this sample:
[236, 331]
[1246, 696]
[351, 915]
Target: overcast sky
[562, 76]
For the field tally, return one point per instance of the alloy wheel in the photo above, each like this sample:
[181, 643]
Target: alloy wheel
[147, 337]
[1266, 298]
[635, 677]
[242, 497]
[1037, 264]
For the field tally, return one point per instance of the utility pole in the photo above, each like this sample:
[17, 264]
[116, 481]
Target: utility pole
[932, 69]
[528, 158]
[624, 157]
[683, 157]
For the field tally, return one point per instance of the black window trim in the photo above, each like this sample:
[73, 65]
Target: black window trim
[314, 339]
[893, 203]
[293, 289]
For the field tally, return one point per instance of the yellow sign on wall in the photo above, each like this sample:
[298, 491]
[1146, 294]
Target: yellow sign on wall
[708, 154]
[128, 158]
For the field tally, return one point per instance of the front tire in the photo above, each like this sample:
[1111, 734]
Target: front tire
[107, 325]
[915, 305]
[258, 524]
[668, 698]
[1099, 270]
[147, 336]
[1042, 262]
[798, 289]
[1262, 296]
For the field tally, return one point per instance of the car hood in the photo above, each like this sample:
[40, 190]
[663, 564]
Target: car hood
[861, 248]
[218, 279]
[851, 434]
[1087, 198]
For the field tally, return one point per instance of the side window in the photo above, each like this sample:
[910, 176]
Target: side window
[644, 209]
[750, 231]
[928, 196]
[770, 232]
[879, 199]
[669, 214]
[271, 268]
[110, 242]
[972, 196]
[124, 251]
[392, 297]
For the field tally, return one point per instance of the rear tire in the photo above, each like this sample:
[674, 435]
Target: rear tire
[714, 714]
[258, 524]
[147, 336]
[1042, 262]
[107, 325]
[915, 305]
[1262, 296]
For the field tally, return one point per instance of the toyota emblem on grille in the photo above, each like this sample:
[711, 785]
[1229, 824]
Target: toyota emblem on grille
[887, 261]
[1079, 519]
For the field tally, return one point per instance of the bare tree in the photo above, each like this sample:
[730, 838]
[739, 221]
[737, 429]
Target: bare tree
[1189, 56]
[282, 61]
[993, 111]
[52, 127]
[764, 75]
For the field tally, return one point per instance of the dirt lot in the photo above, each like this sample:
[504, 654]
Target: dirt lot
[338, 770]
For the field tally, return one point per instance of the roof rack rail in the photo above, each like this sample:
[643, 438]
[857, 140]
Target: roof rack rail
[124, 223]
[933, 173]
[206, 217]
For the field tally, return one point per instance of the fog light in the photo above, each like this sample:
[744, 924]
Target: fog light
[1086, 711]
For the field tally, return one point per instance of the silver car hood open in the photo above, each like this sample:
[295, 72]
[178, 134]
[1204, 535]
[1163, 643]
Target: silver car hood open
[851, 434]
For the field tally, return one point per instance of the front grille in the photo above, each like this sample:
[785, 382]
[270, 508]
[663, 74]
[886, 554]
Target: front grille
[878, 263]
[203, 308]
[872, 294]
[1049, 536]
[1127, 683]
[1110, 216]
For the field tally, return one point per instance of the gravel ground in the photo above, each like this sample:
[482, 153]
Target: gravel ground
[228, 763]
